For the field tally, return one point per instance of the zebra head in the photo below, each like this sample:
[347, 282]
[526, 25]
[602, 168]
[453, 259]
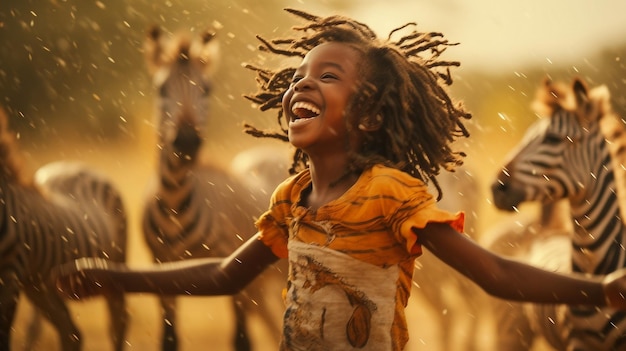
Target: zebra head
[181, 68]
[563, 154]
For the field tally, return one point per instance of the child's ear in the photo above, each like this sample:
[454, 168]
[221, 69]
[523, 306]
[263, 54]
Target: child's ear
[369, 124]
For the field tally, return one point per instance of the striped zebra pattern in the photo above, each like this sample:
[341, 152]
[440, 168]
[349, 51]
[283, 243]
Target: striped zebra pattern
[567, 156]
[196, 209]
[67, 212]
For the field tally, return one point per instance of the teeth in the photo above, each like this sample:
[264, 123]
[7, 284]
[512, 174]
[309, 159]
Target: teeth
[304, 109]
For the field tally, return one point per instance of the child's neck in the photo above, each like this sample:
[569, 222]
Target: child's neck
[330, 180]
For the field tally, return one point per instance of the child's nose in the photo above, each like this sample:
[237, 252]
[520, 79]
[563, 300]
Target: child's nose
[302, 84]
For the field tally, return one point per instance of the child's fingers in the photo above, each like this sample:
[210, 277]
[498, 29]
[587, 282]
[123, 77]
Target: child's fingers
[614, 286]
[76, 280]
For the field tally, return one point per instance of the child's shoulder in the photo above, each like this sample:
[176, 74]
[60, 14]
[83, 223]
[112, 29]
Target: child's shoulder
[382, 173]
[391, 189]
[384, 179]
[293, 185]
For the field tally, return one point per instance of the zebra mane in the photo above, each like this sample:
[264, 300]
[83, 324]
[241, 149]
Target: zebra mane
[614, 130]
[550, 97]
[11, 162]
[575, 97]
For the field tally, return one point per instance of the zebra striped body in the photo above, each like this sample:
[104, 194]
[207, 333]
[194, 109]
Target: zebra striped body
[567, 156]
[69, 212]
[195, 209]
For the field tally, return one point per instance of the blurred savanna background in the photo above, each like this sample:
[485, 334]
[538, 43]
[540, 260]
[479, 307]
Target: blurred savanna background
[75, 86]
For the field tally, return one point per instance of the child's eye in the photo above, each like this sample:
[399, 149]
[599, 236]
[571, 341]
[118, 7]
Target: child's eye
[329, 76]
[295, 79]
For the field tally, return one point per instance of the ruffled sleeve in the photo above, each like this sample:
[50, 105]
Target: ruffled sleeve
[408, 204]
[273, 224]
[429, 214]
[273, 235]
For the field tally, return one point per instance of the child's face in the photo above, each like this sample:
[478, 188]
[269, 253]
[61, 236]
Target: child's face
[316, 101]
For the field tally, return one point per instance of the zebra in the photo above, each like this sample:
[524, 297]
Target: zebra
[575, 153]
[65, 211]
[196, 208]
[542, 240]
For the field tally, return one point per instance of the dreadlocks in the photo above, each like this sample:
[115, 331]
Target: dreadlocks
[402, 87]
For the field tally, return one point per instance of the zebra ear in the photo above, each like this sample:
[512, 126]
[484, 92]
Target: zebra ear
[546, 98]
[581, 92]
[209, 51]
[153, 49]
[584, 107]
[207, 36]
[591, 104]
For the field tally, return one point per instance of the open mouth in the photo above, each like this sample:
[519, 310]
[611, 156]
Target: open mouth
[303, 110]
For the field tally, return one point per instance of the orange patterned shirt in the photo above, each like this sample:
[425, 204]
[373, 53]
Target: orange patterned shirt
[351, 261]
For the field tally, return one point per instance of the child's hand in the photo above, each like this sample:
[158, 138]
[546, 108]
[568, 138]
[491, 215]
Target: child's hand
[614, 286]
[82, 278]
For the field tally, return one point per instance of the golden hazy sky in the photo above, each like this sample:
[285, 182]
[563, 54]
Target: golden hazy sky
[504, 33]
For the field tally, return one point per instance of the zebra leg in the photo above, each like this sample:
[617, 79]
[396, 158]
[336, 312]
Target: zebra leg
[263, 298]
[449, 298]
[9, 296]
[56, 311]
[35, 327]
[460, 323]
[6, 320]
[513, 331]
[548, 321]
[119, 320]
[169, 338]
[241, 339]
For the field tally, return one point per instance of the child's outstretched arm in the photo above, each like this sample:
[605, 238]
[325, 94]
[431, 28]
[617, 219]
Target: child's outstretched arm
[212, 276]
[513, 280]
